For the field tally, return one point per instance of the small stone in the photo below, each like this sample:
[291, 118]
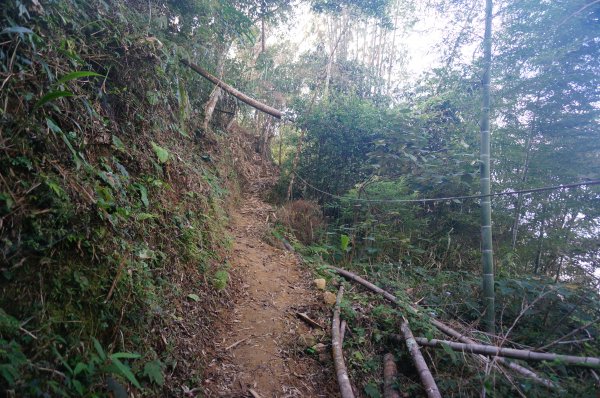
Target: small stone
[320, 283]
[329, 298]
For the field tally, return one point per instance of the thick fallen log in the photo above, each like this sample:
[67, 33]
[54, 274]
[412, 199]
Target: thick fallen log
[508, 352]
[390, 374]
[446, 329]
[338, 356]
[427, 380]
[238, 94]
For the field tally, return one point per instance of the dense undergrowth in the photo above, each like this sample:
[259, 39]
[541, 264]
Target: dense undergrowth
[112, 240]
[533, 312]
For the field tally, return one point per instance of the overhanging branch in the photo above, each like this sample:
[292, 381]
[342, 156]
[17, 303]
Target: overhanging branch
[238, 94]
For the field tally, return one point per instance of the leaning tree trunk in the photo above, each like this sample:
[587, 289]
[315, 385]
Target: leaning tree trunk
[487, 253]
[236, 93]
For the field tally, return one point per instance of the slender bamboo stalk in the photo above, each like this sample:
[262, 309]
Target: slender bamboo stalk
[338, 355]
[487, 253]
[390, 373]
[238, 94]
[526, 355]
[447, 329]
[427, 380]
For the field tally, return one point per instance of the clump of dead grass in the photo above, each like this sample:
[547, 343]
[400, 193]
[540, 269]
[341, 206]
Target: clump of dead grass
[303, 218]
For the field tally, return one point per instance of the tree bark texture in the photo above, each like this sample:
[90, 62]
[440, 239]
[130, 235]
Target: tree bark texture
[390, 374]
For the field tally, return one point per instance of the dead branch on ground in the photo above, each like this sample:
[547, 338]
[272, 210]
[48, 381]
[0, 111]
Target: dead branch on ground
[338, 356]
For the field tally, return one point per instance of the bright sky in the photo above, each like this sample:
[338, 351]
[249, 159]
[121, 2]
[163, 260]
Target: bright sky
[420, 43]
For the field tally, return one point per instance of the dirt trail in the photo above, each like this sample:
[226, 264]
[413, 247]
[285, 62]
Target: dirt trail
[260, 343]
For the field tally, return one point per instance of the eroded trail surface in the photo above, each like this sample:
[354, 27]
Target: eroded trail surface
[259, 345]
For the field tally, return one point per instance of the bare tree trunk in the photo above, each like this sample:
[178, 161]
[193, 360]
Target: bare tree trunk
[209, 108]
[210, 105]
[280, 147]
[538, 256]
[487, 251]
[262, 25]
[392, 59]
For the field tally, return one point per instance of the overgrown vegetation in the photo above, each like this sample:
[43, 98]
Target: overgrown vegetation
[112, 200]
[114, 187]
[369, 153]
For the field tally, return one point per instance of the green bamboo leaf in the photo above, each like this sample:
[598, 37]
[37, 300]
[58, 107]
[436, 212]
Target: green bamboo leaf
[145, 216]
[125, 371]
[127, 355]
[51, 96]
[99, 349]
[77, 75]
[80, 367]
[344, 242]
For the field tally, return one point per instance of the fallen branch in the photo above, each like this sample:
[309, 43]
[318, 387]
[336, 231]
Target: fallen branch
[238, 94]
[390, 374]
[236, 344]
[306, 319]
[571, 333]
[427, 380]
[342, 332]
[338, 355]
[254, 393]
[526, 355]
[446, 329]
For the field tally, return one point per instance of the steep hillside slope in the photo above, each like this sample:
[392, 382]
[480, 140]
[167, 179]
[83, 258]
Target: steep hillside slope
[112, 204]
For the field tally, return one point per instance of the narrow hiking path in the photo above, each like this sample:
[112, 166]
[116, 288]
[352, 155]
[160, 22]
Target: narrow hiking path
[260, 344]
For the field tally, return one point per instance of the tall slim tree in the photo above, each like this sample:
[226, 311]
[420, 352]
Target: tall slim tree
[487, 253]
